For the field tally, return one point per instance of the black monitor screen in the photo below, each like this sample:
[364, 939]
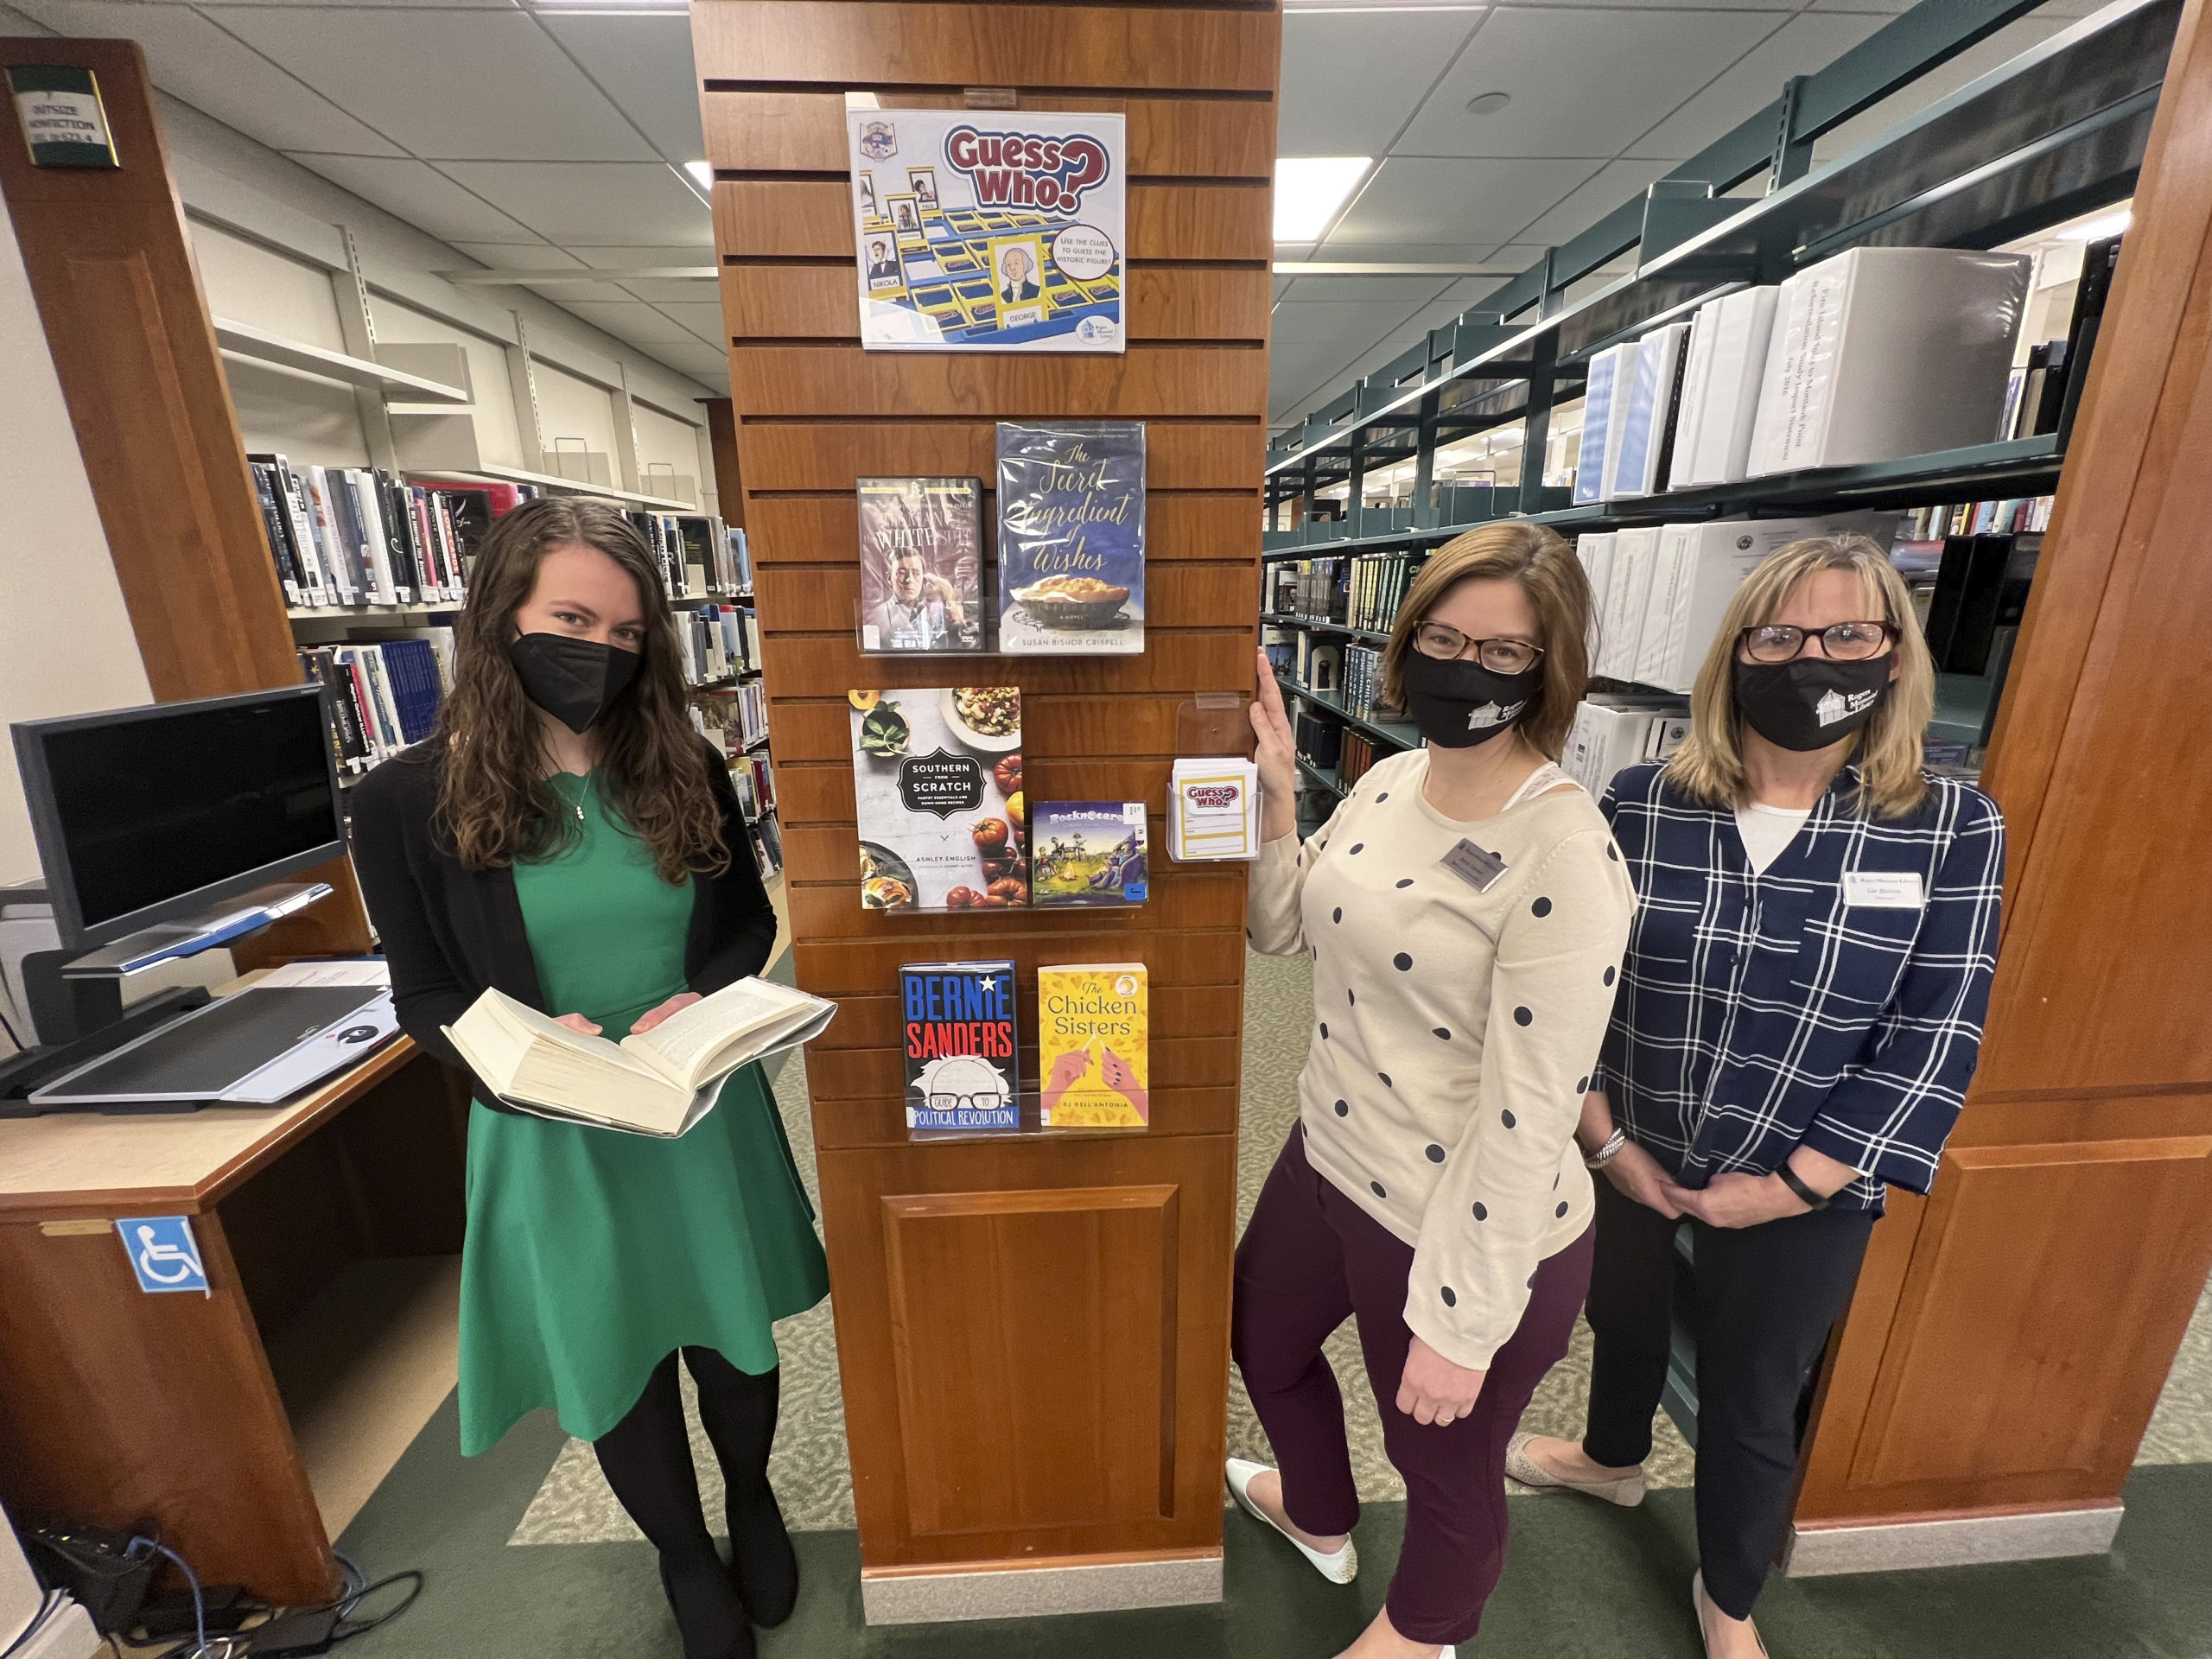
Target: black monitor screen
[154, 806]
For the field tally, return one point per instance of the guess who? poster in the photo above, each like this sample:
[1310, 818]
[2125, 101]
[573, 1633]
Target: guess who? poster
[990, 229]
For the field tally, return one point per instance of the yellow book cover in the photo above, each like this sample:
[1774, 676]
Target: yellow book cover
[1092, 1035]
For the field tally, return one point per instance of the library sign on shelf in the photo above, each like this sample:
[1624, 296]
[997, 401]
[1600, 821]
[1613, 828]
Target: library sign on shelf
[989, 230]
[62, 118]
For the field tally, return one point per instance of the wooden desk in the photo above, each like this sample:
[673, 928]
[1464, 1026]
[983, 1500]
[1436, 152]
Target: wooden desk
[116, 1406]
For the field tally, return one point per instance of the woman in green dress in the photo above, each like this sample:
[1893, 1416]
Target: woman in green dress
[567, 837]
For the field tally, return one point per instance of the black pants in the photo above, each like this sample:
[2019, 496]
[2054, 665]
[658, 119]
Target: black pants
[1767, 1297]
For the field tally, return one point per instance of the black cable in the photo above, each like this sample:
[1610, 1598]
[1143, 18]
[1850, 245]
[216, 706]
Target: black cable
[348, 1627]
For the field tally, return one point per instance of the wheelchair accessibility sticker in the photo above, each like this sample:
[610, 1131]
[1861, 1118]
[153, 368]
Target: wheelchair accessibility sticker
[163, 1253]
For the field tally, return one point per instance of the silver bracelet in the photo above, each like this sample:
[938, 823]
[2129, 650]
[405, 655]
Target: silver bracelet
[1611, 1150]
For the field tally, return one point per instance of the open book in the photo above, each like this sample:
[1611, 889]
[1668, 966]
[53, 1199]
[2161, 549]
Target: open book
[659, 1084]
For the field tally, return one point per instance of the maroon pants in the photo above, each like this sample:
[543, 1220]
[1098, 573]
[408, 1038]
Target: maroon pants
[1312, 1258]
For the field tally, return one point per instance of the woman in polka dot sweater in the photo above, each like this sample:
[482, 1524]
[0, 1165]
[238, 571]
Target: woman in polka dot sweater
[1466, 909]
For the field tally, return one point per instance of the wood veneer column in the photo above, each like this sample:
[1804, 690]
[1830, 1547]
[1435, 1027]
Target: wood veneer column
[1032, 1333]
[110, 266]
[2011, 1334]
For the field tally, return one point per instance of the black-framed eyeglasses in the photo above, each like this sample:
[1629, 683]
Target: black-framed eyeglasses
[1445, 643]
[1841, 642]
[966, 1102]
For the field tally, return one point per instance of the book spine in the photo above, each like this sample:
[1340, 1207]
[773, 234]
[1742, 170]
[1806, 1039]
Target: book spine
[272, 528]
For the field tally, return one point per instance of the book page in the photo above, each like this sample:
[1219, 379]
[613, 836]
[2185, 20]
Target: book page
[520, 1017]
[684, 1047]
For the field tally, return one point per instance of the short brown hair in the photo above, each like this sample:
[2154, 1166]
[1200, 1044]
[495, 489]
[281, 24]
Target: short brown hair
[1549, 572]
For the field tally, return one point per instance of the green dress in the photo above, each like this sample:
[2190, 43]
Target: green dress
[590, 1254]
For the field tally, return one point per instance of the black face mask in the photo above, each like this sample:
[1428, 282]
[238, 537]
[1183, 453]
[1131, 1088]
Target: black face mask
[1810, 703]
[1459, 703]
[575, 681]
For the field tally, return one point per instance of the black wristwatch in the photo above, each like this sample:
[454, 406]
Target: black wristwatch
[1790, 1179]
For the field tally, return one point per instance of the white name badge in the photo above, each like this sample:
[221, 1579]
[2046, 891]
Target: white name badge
[1883, 889]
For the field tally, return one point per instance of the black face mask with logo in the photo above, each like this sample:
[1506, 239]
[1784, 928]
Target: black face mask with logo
[1457, 704]
[1810, 703]
[575, 681]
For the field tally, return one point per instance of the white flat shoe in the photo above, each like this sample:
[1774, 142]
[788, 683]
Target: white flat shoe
[1627, 1490]
[1341, 1567]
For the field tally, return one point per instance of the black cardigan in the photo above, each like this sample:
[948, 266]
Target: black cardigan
[449, 932]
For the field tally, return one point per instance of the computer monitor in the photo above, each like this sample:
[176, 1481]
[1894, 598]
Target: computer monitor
[161, 813]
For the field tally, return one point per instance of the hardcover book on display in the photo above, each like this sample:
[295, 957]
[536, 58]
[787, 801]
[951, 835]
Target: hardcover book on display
[1087, 853]
[1092, 1034]
[962, 1042]
[921, 563]
[937, 783]
[1072, 538]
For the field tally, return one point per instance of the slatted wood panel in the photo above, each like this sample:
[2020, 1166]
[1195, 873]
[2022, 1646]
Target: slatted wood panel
[970, 1272]
[2010, 1335]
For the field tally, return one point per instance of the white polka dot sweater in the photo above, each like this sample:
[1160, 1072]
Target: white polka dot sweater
[1455, 1030]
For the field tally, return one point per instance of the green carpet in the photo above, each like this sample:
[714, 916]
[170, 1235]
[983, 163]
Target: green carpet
[1584, 1581]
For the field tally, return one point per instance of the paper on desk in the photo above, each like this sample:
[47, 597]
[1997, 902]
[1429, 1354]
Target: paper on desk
[357, 970]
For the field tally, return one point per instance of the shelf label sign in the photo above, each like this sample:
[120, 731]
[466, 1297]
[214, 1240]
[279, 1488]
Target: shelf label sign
[163, 1254]
[63, 120]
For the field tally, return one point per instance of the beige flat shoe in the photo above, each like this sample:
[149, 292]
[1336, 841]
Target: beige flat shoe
[1699, 1602]
[1627, 1490]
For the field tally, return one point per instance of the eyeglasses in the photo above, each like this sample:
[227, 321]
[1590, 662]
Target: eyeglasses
[1841, 642]
[966, 1102]
[1443, 642]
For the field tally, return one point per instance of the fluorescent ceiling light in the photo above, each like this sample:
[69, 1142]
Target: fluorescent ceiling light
[1309, 190]
[2097, 230]
[701, 171]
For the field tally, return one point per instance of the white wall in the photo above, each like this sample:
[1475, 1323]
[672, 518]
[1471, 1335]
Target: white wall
[66, 644]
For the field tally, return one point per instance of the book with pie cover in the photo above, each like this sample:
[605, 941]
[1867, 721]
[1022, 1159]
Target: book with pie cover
[1092, 1035]
[937, 783]
[921, 563]
[1072, 538]
[962, 1039]
[1087, 853]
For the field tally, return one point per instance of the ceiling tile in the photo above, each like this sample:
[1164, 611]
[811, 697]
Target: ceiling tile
[1809, 42]
[1667, 5]
[686, 292]
[710, 362]
[1583, 82]
[422, 195]
[475, 84]
[644, 63]
[1405, 253]
[635, 259]
[218, 74]
[576, 204]
[631, 320]
[527, 256]
[1349, 82]
[702, 317]
[1415, 200]
[1406, 291]
[1614, 184]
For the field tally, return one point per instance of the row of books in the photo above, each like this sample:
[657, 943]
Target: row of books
[1379, 581]
[2009, 517]
[382, 696]
[755, 781]
[1658, 593]
[692, 551]
[1319, 741]
[962, 1043]
[1356, 755]
[1975, 598]
[1873, 355]
[1612, 731]
[1362, 692]
[1319, 590]
[360, 536]
[767, 845]
[1071, 549]
[719, 642]
[736, 716]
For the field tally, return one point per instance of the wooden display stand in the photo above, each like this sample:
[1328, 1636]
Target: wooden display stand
[1033, 1332]
[2011, 1333]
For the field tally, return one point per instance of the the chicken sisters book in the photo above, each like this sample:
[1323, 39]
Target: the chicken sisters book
[1093, 1030]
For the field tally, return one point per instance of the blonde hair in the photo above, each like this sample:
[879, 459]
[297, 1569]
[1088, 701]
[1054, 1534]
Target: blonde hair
[1709, 765]
[1551, 575]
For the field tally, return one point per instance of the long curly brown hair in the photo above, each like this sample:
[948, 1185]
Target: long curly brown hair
[495, 804]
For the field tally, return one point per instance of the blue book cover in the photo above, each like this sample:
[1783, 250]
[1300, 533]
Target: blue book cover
[1072, 538]
[963, 1044]
[1597, 401]
[1087, 853]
